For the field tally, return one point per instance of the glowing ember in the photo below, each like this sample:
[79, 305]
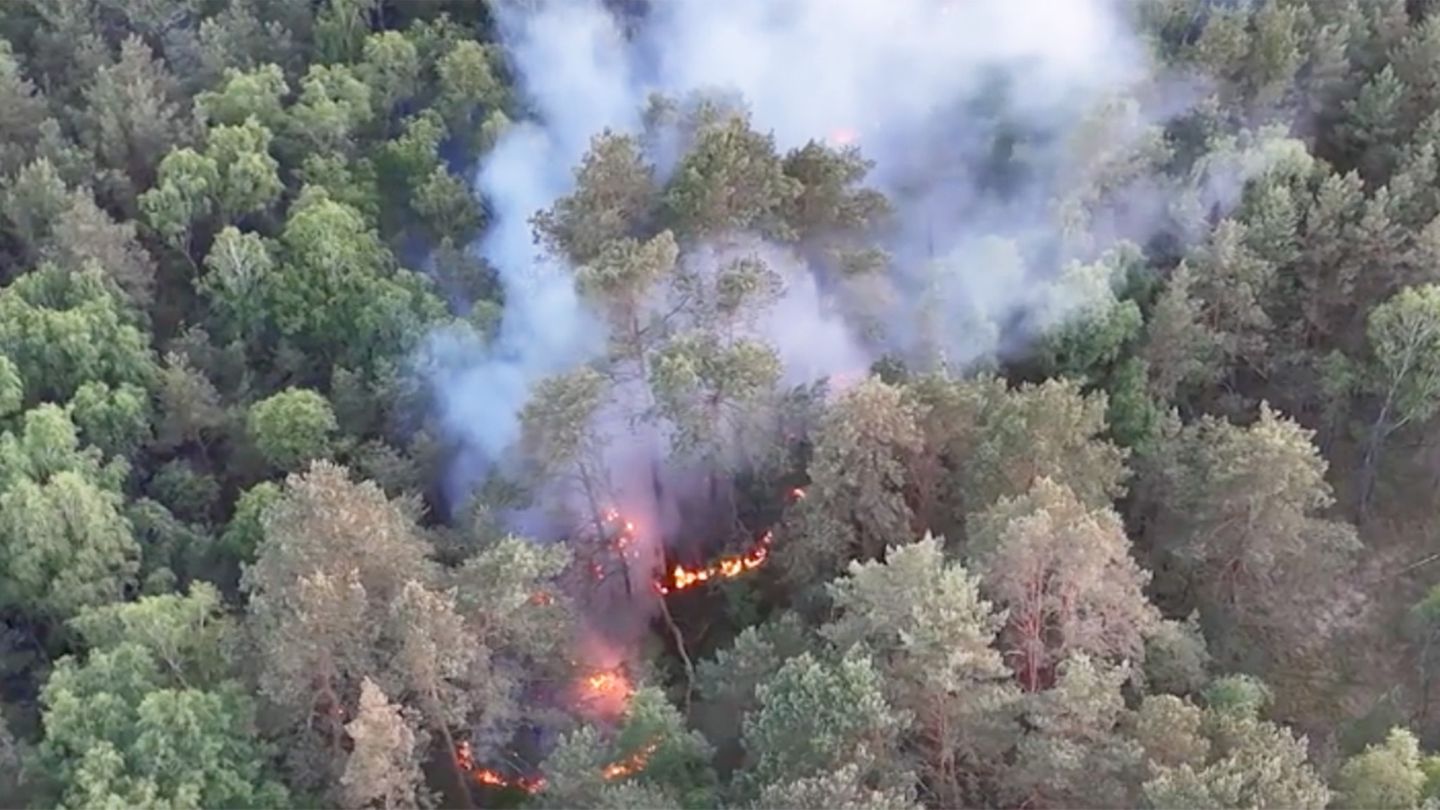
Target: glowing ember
[605, 693]
[797, 494]
[541, 598]
[629, 765]
[679, 578]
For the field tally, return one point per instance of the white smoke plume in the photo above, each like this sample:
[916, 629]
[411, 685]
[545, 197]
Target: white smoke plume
[908, 80]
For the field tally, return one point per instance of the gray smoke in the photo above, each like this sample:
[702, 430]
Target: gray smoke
[909, 80]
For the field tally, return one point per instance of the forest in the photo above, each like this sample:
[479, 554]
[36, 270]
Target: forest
[764, 404]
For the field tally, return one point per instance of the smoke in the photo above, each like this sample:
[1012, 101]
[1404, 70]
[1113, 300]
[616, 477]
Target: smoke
[940, 94]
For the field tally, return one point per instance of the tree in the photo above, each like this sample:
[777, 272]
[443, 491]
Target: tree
[85, 236]
[383, 769]
[247, 176]
[334, 104]
[186, 187]
[292, 427]
[1180, 348]
[1384, 776]
[256, 93]
[236, 273]
[189, 636]
[651, 750]
[338, 294]
[856, 504]
[66, 546]
[391, 67]
[334, 558]
[62, 330]
[838, 790]
[1404, 336]
[613, 197]
[1240, 513]
[119, 732]
[25, 111]
[730, 180]
[117, 421]
[467, 85]
[816, 717]
[930, 633]
[1176, 657]
[132, 118]
[1050, 430]
[1064, 574]
[1238, 761]
[190, 406]
[1074, 754]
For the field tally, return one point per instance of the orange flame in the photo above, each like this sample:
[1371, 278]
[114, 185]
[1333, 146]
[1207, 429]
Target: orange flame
[797, 494]
[629, 765]
[465, 758]
[680, 577]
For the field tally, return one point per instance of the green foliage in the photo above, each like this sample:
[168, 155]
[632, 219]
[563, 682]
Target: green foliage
[62, 330]
[815, 717]
[292, 427]
[1384, 776]
[115, 420]
[120, 730]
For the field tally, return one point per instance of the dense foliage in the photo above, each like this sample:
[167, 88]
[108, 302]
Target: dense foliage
[1174, 548]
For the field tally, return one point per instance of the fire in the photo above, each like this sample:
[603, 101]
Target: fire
[465, 758]
[605, 682]
[541, 598]
[603, 694]
[680, 577]
[844, 136]
[797, 494]
[632, 764]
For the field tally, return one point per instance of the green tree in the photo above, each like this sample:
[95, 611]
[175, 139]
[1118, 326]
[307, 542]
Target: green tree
[62, 330]
[120, 732]
[333, 106]
[1246, 762]
[856, 504]
[614, 193]
[816, 717]
[337, 293]
[391, 67]
[1074, 754]
[292, 427]
[730, 180]
[257, 93]
[467, 85]
[931, 634]
[1240, 515]
[115, 420]
[1404, 337]
[1386, 776]
[132, 118]
[236, 273]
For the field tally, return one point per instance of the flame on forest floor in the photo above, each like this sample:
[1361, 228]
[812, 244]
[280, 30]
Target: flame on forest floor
[632, 764]
[680, 577]
[465, 758]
